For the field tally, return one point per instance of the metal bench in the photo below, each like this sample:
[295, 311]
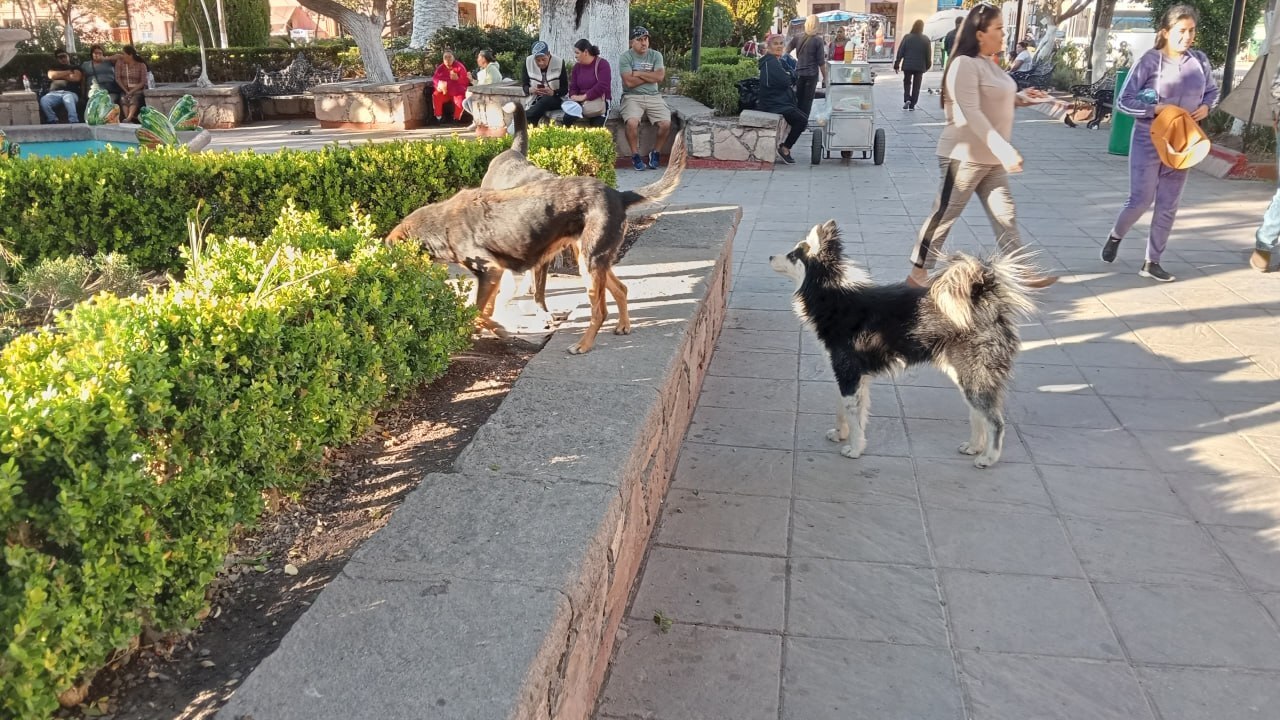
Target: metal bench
[1091, 103]
[295, 80]
[1039, 76]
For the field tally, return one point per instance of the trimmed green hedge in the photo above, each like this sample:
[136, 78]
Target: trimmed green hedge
[138, 433]
[715, 85]
[137, 204]
[171, 63]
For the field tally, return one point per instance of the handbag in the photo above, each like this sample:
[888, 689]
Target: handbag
[597, 107]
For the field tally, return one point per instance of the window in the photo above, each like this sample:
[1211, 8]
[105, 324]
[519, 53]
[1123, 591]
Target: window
[825, 7]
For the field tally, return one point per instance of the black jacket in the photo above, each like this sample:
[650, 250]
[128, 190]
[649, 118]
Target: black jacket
[915, 54]
[777, 94]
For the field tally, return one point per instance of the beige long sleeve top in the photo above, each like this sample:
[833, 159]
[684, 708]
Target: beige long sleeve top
[979, 106]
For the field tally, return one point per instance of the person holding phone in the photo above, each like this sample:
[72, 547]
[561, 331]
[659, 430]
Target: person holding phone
[545, 83]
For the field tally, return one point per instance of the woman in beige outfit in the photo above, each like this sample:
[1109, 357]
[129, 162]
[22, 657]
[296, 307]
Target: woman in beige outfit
[974, 153]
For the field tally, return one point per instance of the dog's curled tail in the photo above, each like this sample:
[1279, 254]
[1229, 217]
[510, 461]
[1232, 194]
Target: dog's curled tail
[969, 284]
[667, 184]
[520, 140]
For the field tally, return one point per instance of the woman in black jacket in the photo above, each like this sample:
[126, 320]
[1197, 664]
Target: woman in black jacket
[915, 57]
[778, 96]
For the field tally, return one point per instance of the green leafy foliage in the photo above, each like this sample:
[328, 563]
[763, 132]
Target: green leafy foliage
[138, 433]
[751, 19]
[1215, 23]
[137, 203]
[248, 22]
[670, 24]
[714, 85]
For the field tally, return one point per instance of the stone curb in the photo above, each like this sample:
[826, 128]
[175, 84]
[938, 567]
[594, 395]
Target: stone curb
[495, 590]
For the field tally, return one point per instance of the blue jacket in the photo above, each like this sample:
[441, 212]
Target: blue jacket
[777, 94]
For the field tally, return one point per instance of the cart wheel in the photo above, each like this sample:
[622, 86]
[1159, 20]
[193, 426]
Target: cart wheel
[846, 154]
[878, 148]
[816, 155]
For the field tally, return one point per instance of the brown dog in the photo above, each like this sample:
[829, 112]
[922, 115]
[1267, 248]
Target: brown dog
[493, 231]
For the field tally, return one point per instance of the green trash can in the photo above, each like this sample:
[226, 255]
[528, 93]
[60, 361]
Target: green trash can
[1121, 124]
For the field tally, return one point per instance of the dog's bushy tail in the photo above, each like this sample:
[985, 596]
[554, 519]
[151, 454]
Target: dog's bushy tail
[969, 286]
[520, 140]
[667, 184]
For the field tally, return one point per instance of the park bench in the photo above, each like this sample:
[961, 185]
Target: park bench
[288, 87]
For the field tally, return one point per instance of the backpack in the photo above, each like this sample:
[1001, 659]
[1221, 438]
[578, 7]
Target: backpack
[748, 93]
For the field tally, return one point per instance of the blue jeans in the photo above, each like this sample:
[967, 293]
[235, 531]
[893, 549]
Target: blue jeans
[1269, 231]
[53, 98]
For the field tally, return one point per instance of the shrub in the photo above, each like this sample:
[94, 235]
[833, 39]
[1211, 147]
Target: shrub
[57, 207]
[138, 433]
[468, 40]
[715, 85]
[248, 22]
[175, 63]
[670, 24]
[1069, 66]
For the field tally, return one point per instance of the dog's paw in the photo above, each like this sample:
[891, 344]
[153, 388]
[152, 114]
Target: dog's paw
[851, 452]
[967, 449]
[984, 461]
[579, 349]
[622, 330]
[834, 435]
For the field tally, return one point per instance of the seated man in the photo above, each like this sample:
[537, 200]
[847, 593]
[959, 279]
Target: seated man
[1023, 61]
[545, 80]
[64, 89]
[641, 70]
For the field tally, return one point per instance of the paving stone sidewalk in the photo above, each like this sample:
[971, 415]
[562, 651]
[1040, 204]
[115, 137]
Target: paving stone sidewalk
[1121, 562]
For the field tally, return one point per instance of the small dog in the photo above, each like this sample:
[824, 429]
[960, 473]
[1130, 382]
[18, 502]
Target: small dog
[964, 323]
[511, 168]
[493, 231]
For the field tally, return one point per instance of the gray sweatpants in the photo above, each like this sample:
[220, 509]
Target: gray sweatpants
[960, 181]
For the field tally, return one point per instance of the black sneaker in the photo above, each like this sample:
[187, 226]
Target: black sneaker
[785, 157]
[1109, 250]
[1155, 272]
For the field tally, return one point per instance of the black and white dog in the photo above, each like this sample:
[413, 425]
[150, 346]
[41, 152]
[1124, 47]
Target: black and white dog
[964, 323]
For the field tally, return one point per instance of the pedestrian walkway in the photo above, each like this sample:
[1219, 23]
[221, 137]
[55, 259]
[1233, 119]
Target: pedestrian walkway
[1121, 562]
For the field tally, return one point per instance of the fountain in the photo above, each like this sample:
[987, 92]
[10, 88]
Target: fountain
[20, 119]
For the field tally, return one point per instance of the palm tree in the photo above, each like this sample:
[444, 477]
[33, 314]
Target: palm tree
[428, 17]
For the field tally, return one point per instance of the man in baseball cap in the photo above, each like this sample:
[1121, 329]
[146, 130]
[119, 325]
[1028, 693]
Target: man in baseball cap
[641, 69]
[545, 82]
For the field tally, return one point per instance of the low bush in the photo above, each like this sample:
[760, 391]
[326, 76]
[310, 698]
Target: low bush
[715, 85]
[177, 63]
[138, 433]
[137, 203]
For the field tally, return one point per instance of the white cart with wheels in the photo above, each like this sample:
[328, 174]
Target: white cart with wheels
[845, 121]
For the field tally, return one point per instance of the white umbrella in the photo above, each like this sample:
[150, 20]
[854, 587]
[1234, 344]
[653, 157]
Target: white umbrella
[942, 22]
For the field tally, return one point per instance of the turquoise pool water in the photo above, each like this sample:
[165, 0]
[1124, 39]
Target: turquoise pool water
[68, 148]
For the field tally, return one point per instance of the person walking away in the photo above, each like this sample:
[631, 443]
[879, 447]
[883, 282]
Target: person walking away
[1177, 75]
[450, 85]
[590, 85]
[974, 153]
[545, 80]
[641, 69]
[811, 63]
[64, 89]
[949, 41]
[778, 95]
[915, 57]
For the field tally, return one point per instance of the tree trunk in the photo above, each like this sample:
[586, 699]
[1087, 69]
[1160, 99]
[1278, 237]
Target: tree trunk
[605, 23]
[428, 17]
[1105, 12]
[366, 30]
[1057, 15]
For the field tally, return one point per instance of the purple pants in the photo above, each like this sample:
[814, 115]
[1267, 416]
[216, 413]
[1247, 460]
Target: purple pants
[1150, 181]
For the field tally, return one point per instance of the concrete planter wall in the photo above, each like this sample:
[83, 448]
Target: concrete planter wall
[360, 105]
[19, 108]
[220, 106]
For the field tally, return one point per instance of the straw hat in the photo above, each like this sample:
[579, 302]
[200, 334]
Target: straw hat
[1178, 139]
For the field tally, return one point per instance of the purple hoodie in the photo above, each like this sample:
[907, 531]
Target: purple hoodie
[1186, 82]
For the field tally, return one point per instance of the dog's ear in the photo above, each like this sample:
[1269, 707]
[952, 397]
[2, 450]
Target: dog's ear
[813, 241]
[829, 240]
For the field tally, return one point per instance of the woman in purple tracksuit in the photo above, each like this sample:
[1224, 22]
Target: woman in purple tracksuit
[1179, 76]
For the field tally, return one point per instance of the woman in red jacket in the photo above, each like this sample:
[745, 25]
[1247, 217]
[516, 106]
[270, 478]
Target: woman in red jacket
[450, 82]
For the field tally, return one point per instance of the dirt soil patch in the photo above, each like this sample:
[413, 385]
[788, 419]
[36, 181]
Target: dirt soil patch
[275, 572]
